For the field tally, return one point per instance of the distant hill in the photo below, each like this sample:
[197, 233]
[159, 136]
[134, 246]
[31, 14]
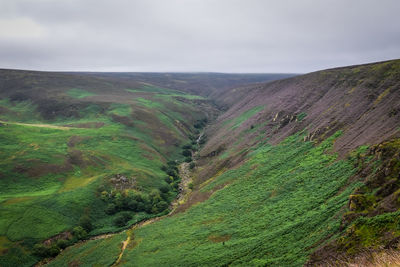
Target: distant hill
[206, 84]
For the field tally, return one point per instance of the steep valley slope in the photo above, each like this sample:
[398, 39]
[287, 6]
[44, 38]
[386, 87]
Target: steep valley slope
[297, 171]
[83, 154]
[300, 170]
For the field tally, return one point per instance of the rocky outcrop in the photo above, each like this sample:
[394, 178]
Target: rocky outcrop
[121, 182]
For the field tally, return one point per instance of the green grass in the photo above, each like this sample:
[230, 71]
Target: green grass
[13, 254]
[290, 201]
[121, 109]
[301, 116]
[40, 146]
[43, 192]
[370, 232]
[23, 111]
[108, 250]
[79, 93]
[148, 103]
[272, 211]
[237, 121]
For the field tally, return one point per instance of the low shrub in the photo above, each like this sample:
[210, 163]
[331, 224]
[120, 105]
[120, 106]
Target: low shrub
[79, 233]
[122, 219]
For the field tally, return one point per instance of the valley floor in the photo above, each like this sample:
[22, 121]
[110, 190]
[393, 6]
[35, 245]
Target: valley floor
[232, 225]
[185, 192]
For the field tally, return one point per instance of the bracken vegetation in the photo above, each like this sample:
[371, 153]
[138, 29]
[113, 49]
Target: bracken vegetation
[287, 194]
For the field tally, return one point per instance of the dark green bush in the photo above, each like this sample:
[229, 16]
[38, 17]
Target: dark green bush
[186, 153]
[133, 205]
[172, 163]
[155, 196]
[53, 251]
[118, 201]
[140, 206]
[79, 233]
[192, 165]
[86, 223]
[40, 250]
[165, 189]
[111, 209]
[200, 123]
[122, 219]
[62, 243]
[172, 172]
[159, 207]
[169, 179]
[187, 146]
[175, 185]
[147, 207]
[104, 196]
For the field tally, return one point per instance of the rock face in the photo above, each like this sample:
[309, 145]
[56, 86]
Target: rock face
[122, 182]
[379, 171]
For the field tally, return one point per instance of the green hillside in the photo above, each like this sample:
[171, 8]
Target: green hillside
[293, 172]
[269, 212]
[89, 169]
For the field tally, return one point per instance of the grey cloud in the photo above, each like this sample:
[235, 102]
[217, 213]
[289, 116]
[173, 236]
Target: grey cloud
[197, 35]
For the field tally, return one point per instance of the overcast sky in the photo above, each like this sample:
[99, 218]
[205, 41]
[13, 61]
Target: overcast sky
[197, 35]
